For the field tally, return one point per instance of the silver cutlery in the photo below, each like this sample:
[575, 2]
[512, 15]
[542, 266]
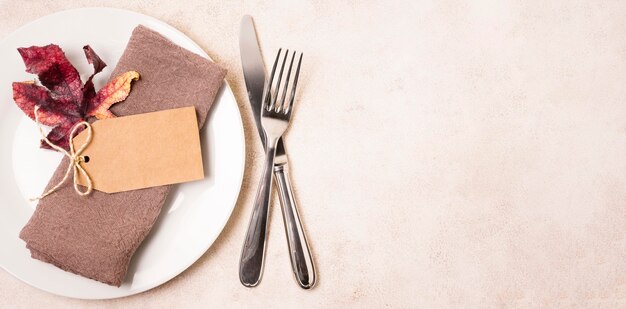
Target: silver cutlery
[254, 75]
[299, 252]
[253, 70]
[275, 116]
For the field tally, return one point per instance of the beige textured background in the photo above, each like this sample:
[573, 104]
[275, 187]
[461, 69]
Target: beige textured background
[445, 154]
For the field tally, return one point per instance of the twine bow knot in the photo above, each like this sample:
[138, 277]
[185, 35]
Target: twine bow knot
[74, 156]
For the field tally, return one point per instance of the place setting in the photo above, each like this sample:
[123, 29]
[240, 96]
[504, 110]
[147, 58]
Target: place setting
[122, 153]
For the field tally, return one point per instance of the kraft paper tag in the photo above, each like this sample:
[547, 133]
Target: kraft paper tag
[142, 151]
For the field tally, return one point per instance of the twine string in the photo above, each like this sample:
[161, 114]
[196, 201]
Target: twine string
[74, 156]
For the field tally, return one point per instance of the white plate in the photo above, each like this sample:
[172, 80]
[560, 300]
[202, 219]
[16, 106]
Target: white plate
[195, 212]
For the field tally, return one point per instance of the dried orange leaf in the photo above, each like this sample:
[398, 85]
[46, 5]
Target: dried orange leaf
[115, 91]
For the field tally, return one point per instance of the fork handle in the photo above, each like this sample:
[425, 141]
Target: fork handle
[299, 252]
[253, 252]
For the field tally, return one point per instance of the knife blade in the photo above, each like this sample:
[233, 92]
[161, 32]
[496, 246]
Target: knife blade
[255, 76]
[253, 69]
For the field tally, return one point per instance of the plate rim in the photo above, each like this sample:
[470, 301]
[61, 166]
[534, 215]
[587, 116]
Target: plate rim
[239, 125]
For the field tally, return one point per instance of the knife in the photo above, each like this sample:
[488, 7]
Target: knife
[300, 254]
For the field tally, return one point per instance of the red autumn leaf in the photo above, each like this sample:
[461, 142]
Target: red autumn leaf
[98, 65]
[65, 100]
[59, 135]
[55, 73]
[51, 112]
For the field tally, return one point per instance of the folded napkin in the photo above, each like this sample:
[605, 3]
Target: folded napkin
[95, 236]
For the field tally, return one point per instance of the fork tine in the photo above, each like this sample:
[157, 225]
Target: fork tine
[295, 84]
[282, 100]
[280, 77]
[268, 88]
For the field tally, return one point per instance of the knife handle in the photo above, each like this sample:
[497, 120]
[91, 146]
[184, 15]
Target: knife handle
[253, 251]
[299, 252]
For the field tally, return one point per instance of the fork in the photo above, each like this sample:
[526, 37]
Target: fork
[275, 116]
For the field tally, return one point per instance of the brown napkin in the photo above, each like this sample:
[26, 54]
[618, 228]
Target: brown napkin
[96, 236]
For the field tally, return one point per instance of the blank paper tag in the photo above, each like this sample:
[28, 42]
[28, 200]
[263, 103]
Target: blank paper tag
[142, 151]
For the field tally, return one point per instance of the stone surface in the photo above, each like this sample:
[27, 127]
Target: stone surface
[445, 154]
